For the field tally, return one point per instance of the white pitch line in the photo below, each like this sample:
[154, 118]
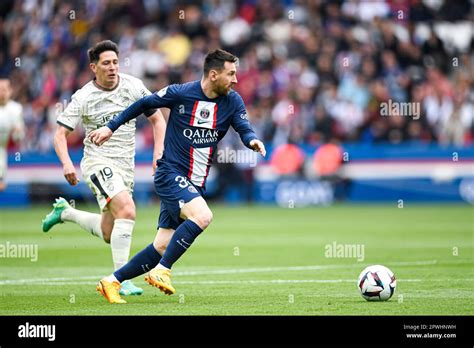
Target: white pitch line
[298, 281]
[294, 268]
[58, 280]
[46, 279]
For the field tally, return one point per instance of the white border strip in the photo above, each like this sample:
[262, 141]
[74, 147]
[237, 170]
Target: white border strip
[400, 169]
[437, 170]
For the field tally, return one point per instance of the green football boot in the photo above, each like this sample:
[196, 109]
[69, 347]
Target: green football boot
[128, 288]
[54, 217]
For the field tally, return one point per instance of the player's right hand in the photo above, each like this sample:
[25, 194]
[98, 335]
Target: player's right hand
[70, 174]
[100, 136]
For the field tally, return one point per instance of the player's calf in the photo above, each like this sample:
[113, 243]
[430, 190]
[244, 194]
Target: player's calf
[182, 239]
[162, 239]
[107, 225]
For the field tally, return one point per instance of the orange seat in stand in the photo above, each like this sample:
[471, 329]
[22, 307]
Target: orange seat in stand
[327, 159]
[287, 159]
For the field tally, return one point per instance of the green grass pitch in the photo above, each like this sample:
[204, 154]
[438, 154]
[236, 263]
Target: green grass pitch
[254, 261]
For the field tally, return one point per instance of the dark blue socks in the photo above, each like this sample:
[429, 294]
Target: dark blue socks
[182, 239]
[148, 258]
[141, 263]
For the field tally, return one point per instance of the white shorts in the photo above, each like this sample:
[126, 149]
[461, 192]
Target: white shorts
[107, 178]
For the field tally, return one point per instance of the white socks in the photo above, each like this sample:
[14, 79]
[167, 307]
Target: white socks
[88, 221]
[111, 278]
[121, 241]
[160, 266]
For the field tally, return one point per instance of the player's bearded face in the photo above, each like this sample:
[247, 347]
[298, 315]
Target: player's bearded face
[106, 69]
[226, 79]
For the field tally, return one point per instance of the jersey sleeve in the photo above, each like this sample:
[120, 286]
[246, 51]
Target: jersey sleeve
[71, 116]
[169, 96]
[141, 91]
[164, 98]
[241, 124]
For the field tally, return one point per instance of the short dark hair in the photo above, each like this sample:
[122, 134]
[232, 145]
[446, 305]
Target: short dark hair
[102, 46]
[216, 59]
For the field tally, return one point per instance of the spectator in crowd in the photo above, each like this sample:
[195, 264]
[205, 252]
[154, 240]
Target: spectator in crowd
[310, 71]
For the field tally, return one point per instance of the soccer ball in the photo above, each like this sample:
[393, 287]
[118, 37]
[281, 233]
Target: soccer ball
[376, 283]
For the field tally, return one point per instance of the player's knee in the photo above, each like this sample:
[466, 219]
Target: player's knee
[126, 212]
[203, 218]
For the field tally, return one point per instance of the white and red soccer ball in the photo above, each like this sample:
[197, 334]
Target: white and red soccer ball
[376, 283]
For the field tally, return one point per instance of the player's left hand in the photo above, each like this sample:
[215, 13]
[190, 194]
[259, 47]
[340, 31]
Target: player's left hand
[100, 136]
[258, 146]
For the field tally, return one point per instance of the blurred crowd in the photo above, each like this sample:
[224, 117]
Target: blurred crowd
[310, 71]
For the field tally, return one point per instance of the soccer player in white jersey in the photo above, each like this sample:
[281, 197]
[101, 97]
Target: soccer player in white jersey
[108, 170]
[11, 125]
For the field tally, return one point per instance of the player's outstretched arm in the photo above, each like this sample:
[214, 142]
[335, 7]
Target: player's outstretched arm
[241, 124]
[60, 146]
[158, 123]
[134, 110]
[247, 134]
[258, 146]
[101, 135]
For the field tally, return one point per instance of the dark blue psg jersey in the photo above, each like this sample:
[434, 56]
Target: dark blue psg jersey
[196, 124]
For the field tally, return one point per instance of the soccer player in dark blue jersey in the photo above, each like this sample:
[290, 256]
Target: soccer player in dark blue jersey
[201, 113]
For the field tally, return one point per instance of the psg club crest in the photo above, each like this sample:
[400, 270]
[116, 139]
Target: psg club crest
[205, 114]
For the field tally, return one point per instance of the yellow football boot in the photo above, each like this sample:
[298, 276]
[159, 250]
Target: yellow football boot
[161, 279]
[110, 290]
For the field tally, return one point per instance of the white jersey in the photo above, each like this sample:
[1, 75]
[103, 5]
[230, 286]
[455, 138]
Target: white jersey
[10, 118]
[95, 106]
